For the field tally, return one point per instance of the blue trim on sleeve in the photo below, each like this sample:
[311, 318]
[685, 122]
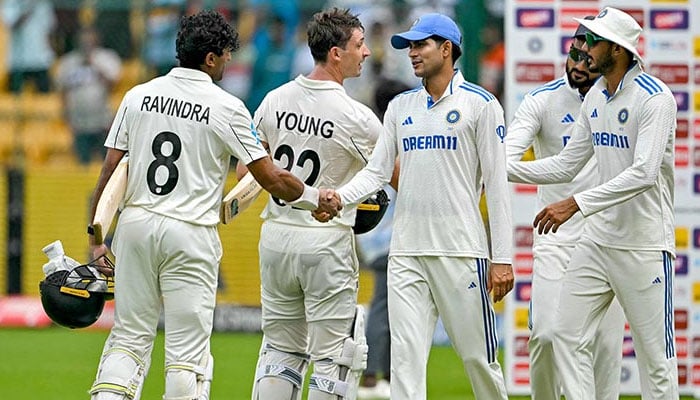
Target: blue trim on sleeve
[470, 87]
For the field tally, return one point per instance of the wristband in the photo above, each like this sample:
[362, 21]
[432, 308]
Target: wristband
[91, 230]
[308, 199]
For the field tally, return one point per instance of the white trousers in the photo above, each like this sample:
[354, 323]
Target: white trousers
[642, 281]
[550, 261]
[309, 281]
[420, 289]
[164, 263]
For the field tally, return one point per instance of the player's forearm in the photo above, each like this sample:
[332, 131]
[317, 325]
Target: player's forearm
[518, 141]
[283, 184]
[544, 171]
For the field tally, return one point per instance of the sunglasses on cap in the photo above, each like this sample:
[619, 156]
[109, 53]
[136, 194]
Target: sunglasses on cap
[577, 55]
[592, 39]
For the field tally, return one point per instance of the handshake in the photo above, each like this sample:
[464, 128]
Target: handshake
[329, 205]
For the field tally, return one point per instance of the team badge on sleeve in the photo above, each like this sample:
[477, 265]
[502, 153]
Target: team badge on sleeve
[501, 132]
[254, 132]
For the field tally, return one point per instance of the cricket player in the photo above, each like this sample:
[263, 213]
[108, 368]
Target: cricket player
[544, 120]
[180, 131]
[309, 270]
[449, 138]
[627, 124]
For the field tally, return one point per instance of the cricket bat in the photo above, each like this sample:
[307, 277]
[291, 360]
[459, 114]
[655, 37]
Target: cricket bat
[239, 198]
[111, 198]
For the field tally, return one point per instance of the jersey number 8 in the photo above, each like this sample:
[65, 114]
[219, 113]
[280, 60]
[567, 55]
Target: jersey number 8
[162, 160]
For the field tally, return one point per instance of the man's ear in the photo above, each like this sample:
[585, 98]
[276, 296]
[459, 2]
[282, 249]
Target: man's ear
[334, 53]
[209, 59]
[446, 48]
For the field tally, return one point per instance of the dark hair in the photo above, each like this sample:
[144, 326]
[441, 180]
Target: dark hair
[202, 33]
[385, 91]
[330, 28]
[456, 50]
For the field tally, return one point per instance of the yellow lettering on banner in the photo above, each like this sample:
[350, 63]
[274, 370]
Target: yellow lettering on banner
[696, 46]
[696, 102]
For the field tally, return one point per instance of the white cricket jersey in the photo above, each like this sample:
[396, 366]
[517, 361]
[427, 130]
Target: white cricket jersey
[447, 149]
[544, 120]
[631, 134]
[180, 131]
[320, 134]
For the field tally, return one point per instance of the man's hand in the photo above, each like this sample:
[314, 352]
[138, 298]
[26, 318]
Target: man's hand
[329, 205]
[97, 251]
[501, 280]
[555, 214]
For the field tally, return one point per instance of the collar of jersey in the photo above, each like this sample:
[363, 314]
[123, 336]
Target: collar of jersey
[318, 84]
[189, 73]
[627, 79]
[456, 80]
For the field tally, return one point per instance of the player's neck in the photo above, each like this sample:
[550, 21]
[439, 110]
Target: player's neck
[615, 75]
[613, 78]
[326, 73]
[435, 85]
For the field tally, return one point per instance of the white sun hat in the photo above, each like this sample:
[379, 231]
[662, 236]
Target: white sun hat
[616, 26]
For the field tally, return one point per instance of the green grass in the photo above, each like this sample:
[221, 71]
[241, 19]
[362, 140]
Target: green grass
[60, 364]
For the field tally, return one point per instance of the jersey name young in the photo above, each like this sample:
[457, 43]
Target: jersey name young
[306, 124]
[176, 108]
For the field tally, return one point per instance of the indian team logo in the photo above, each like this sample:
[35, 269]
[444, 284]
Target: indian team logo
[623, 115]
[453, 116]
[603, 13]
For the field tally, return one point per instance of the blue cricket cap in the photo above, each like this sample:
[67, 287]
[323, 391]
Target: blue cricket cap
[427, 26]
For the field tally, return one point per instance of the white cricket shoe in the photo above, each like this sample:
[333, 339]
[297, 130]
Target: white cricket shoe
[381, 391]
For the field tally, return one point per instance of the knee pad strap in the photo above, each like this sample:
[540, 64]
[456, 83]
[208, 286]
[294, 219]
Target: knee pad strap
[111, 376]
[203, 374]
[282, 371]
[329, 385]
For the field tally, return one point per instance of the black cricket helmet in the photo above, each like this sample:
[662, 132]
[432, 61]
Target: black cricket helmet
[370, 212]
[75, 298]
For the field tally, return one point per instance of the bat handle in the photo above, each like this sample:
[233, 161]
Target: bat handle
[98, 234]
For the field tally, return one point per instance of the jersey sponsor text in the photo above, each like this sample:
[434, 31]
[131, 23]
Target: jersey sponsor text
[610, 140]
[428, 142]
[176, 108]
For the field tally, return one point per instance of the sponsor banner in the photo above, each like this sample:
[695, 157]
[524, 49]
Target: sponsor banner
[671, 73]
[682, 128]
[535, 18]
[538, 37]
[668, 19]
[23, 312]
[567, 15]
[534, 72]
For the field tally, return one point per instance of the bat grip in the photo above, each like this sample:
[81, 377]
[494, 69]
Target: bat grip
[98, 234]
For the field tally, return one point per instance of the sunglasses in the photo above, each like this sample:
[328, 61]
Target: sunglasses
[592, 39]
[577, 55]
